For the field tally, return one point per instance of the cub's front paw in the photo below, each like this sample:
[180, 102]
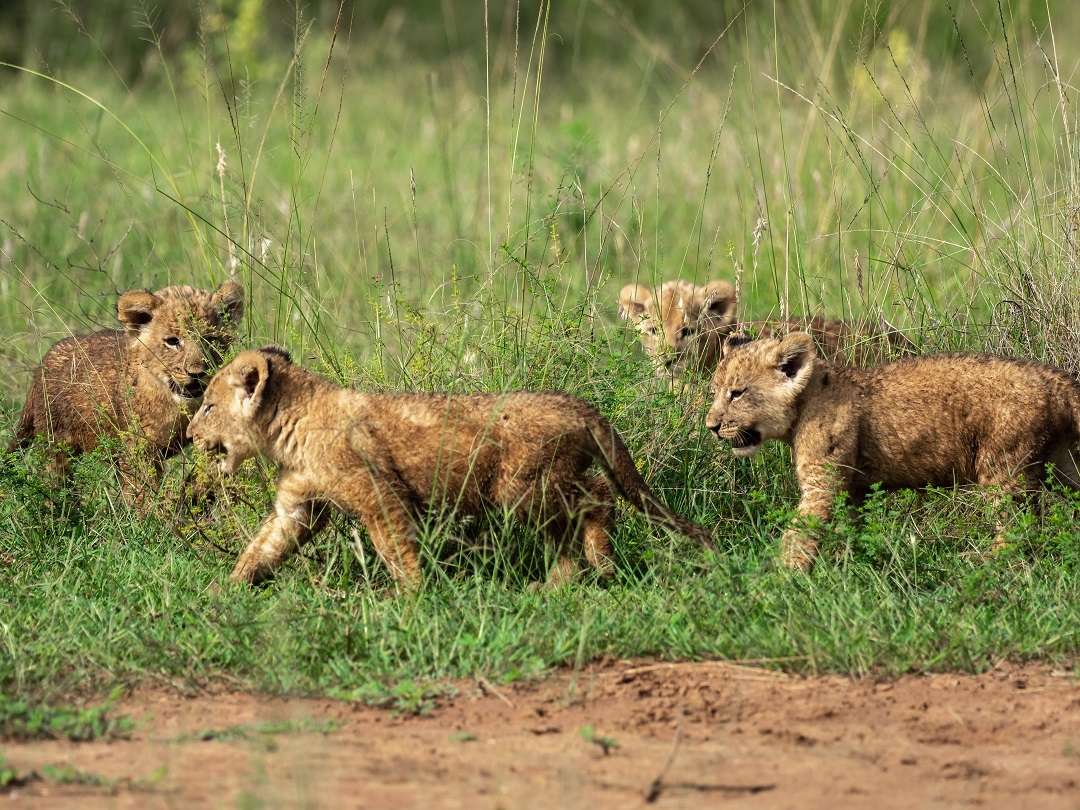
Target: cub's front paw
[798, 550]
[249, 570]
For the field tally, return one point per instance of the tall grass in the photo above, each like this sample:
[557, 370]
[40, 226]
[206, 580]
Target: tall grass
[464, 223]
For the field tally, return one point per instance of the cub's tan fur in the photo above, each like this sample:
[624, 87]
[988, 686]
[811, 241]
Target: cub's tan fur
[682, 328]
[142, 383]
[935, 420]
[388, 458]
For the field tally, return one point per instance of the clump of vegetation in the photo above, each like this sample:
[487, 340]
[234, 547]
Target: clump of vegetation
[9, 777]
[261, 734]
[23, 720]
[604, 742]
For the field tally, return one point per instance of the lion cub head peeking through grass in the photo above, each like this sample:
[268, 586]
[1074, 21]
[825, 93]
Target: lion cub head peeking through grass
[140, 384]
[935, 420]
[387, 458]
[683, 325]
[682, 328]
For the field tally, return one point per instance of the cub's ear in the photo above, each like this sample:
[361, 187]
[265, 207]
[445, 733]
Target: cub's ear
[250, 375]
[135, 309]
[717, 301]
[794, 357]
[228, 300]
[273, 350]
[733, 342]
[634, 299]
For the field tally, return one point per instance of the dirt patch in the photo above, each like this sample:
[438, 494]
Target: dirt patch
[672, 735]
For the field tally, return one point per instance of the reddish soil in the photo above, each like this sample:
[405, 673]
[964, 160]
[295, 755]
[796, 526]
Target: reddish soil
[678, 735]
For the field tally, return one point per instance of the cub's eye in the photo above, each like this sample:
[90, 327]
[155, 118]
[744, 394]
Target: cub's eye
[735, 393]
[686, 331]
[209, 406]
[650, 329]
[172, 342]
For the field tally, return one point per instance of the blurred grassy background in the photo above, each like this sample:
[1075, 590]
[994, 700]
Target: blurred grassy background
[368, 163]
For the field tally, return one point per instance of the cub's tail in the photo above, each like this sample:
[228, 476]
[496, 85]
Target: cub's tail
[612, 454]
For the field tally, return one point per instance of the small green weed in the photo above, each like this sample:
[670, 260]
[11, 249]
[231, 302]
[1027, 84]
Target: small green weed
[22, 720]
[261, 734]
[11, 778]
[406, 696]
[605, 743]
[60, 774]
[69, 775]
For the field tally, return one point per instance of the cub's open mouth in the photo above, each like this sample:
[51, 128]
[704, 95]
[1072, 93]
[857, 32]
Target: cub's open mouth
[746, 442]
[193, 390]
[746, 437]
[216, 449]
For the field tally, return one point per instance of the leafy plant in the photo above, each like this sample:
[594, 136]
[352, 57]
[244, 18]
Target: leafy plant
[23, 720]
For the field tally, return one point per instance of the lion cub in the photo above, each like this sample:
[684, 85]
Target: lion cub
[141, 384]
[682, 328]
[386, 458]
[934, 420]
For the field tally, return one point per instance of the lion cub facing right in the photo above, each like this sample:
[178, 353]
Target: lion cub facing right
[386, 458]
[934, 420]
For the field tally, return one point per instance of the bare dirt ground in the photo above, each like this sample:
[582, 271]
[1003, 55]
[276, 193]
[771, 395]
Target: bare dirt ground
[617, 734]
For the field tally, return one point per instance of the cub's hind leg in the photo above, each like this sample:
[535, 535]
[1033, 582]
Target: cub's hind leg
[597, 515]
[1008, 477]
[381, 502]
[393, 533]
[572, 509]
[531, 493]
[563, 544]
[1066, 461]
[578, 524]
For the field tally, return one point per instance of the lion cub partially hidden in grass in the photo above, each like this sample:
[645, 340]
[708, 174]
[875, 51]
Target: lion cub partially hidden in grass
[683, 325]
[388, 458]
[141, 384]
[934, 420]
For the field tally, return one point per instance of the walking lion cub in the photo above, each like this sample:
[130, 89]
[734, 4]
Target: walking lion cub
[388, 458]
[935, 420]
[140, 384]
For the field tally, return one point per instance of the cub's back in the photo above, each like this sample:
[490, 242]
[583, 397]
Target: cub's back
[468, 444]
[511, 417]
[931, 417]
[971, 388]
[75, 391]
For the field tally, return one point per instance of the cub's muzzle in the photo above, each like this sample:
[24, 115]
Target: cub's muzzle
[744, 441]
[194, 388]
[209, 447]
[745, 438]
